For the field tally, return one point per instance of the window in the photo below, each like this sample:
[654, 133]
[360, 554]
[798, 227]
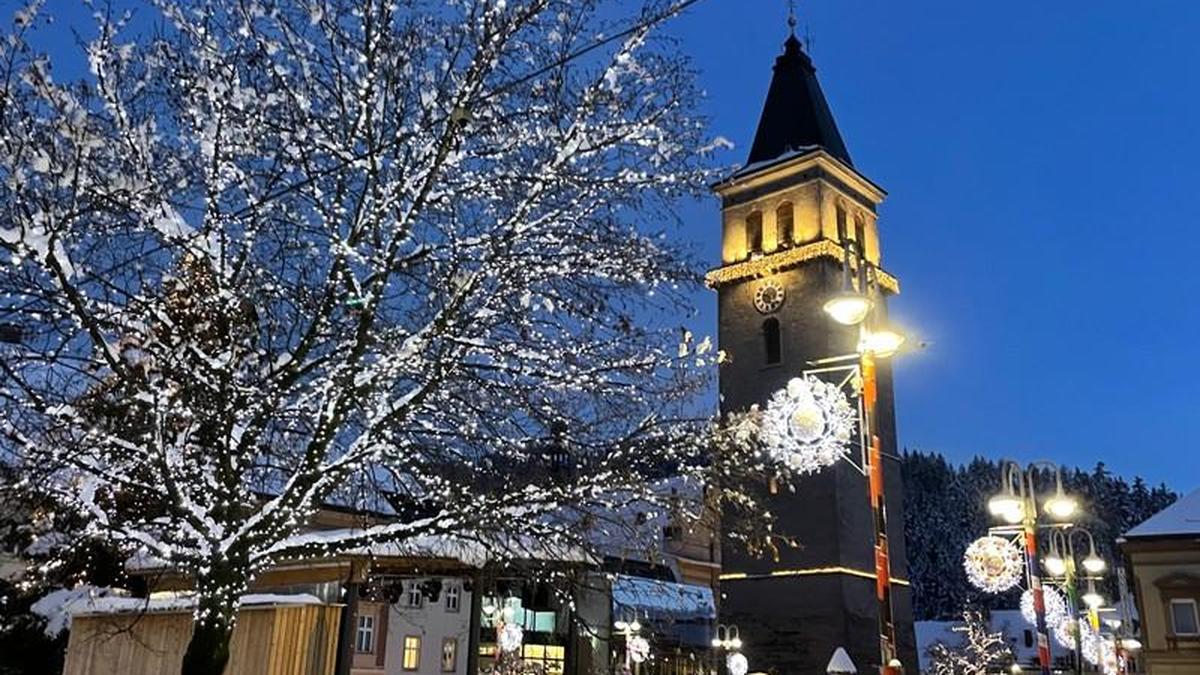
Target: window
[453, 598]
[771, 341]
[449, 655]
[412, 595]
[412, 652]
[754, 239]
[550, 658]
[672, 532]
[364, 637]
[841, 223]
[1029, 638]
[860, 236]
[784, 224]
[1184, 620]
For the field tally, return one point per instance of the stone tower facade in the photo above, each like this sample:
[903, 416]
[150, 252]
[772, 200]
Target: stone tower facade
[785, 217]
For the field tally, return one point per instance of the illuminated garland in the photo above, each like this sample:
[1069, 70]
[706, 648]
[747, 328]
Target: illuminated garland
[807, 426]
[1056, 606]
[993, 564]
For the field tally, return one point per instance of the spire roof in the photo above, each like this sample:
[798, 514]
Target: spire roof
[795, 116]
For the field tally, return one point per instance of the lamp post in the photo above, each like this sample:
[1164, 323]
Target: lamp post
[634, 648]
[729, 639]
[854, 307]
[1016, 503]
[1063, 562]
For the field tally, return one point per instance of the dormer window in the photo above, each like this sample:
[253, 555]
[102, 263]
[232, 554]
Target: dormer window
[754, 233]
[784, 225]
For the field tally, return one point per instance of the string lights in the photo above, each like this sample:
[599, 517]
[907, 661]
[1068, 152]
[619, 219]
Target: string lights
[993, 564]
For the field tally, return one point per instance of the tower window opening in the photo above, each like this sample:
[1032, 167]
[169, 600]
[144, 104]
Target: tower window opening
[754, 233]
[841, 223]
[860, 236]
[771, 341]
[784, 224]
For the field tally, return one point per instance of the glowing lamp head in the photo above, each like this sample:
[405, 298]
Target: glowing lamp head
[1094, 564]
[1061, 507]
[1014, 668]
[1131, 644]
[736, 643]
[1093, 599]
[1007, 506]
[881, 343]
[848, 308]
[1055, 565]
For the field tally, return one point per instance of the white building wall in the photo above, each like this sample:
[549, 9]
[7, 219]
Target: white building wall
[432, 622]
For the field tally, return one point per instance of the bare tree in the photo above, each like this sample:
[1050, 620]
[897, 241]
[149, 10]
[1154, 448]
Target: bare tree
[981, 651]
[394, 254]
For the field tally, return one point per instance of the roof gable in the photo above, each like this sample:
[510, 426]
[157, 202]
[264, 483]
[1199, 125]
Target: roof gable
[1180, 518]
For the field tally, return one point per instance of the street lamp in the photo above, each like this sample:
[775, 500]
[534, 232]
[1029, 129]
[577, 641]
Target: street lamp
[730, 639]
[1062, 563]
[1017, 503]
[853, 307]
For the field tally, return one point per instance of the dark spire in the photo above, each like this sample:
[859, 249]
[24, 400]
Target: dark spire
[795, 115]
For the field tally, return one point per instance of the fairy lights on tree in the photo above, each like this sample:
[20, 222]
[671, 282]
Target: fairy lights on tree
[387, 255]
[980, 650]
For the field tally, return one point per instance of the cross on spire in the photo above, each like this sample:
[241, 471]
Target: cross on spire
[791, 20]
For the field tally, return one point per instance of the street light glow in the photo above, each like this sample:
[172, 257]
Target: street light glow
[881, 343]
[1061, 506]
[848, 308]
[1094, 564]
[1055, 565]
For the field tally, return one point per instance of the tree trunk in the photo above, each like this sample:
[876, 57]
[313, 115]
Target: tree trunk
[216, 614]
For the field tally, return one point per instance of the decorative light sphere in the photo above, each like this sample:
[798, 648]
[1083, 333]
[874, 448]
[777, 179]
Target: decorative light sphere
[993, 564]
[639, 648]
[807, 425]
[737, 664]
[510, 637]
[1056, 606]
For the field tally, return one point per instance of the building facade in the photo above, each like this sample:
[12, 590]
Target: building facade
[1164, 556]
[786, 217]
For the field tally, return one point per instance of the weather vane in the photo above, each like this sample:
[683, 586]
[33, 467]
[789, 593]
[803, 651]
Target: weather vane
[792, 16]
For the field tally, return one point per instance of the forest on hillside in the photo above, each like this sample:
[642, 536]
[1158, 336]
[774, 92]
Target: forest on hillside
[945, 509]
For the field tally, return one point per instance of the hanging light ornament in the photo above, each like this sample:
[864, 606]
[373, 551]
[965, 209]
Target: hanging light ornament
[737, 664]
[993, 564]
[509, 637]
[639, 648]
[1056, 606]
[807, 425]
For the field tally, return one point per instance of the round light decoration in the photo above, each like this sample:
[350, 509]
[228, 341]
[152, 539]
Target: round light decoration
[639, 649]
[993, 564]
[807, 426]
[509, 637]
[768, 297]
[737, 664]
[1056, 606]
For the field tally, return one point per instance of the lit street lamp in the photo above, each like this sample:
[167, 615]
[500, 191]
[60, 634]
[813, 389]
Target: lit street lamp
[1017, 503]
[1063, 562]
[854, 307]
[729, 639]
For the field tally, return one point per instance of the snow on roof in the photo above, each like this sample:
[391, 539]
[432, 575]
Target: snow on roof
[653, 598]
[58, 606]
[1180, 518]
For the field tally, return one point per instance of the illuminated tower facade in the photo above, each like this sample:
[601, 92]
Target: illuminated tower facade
[786, 216]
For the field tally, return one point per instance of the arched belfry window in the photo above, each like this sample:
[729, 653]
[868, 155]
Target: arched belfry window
[860, 235]
[754, 233]
[772, 343]
[785, 225]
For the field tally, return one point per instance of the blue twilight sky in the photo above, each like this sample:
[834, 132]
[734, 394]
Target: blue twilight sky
[1041, 161]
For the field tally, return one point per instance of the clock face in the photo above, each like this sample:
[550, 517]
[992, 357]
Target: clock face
[768, 297]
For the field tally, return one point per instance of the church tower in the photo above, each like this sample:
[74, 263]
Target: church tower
[786, 218]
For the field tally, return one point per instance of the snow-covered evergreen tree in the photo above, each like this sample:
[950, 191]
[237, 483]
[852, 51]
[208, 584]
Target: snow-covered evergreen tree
[397, 255]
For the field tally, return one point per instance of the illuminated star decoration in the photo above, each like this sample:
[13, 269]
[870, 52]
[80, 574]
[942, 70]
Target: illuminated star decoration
[808, 425]
[1056, 606]
[993, 564]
